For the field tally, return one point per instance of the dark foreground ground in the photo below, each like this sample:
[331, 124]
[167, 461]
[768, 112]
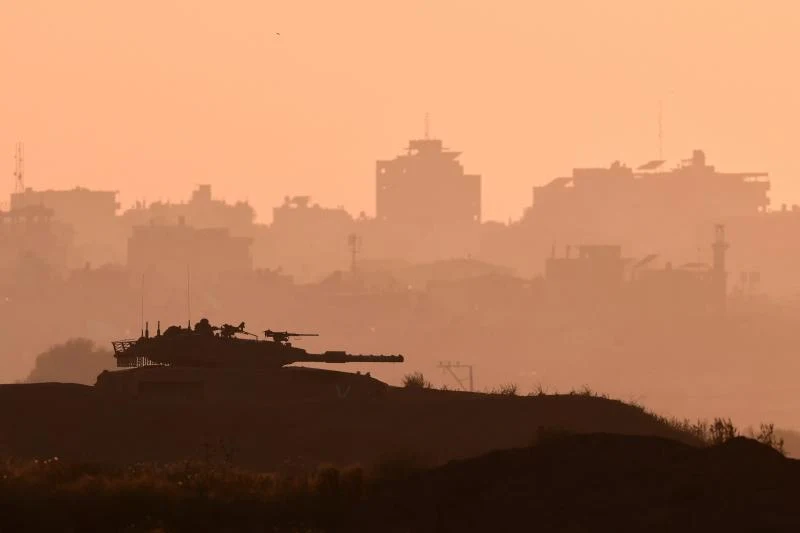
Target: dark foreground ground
[589, 482]
[600, 483]
[375, 459]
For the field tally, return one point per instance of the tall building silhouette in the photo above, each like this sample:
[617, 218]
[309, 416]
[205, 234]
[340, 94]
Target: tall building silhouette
[427, 186]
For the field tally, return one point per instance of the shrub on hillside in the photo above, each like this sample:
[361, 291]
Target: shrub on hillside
[508, 389]
[416, 380]
[767, 436]
[721, 431]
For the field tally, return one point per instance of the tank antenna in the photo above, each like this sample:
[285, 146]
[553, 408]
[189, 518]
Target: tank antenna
[142, 310]
[188, 299]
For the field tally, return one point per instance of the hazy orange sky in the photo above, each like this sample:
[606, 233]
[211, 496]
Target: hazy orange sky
[157, 96]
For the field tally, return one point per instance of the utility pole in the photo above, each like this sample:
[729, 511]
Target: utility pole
[449, 367]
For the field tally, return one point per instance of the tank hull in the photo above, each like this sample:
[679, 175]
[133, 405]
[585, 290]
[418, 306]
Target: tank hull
[237, 385]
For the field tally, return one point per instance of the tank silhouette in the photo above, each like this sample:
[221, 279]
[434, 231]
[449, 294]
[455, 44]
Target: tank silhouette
[207, 346]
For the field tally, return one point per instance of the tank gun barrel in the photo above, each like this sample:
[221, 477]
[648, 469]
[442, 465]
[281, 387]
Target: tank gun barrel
[344, 357]
[270, 333]
[284, 336]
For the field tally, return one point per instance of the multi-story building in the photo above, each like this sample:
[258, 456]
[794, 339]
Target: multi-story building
[427, 208]
[201, 211]
[90, 214]
[170, 251]
[307, 240]
[32, 245]
[427, 186]
[643, 208]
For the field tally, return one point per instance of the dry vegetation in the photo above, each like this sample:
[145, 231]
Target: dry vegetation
[213, 495]
[198, 495]
[719, 431]
[416, 380]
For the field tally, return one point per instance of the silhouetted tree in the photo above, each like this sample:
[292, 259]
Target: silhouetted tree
[721, 431]
[75, 361]
[768, 436]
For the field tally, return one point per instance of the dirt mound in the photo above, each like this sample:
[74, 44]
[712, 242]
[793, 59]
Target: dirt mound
[791, 441]
[598, 483]
[744, 451]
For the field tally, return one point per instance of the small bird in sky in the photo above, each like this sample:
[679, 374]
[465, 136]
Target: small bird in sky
[278, 34]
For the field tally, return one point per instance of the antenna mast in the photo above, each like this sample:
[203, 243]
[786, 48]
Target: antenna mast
[188, 299]
[427, 125]
[660, 131]
[142, 316]
[19, 168]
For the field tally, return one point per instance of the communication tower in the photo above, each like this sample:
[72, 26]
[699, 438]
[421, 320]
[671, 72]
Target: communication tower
[354, 242]
[719, 273]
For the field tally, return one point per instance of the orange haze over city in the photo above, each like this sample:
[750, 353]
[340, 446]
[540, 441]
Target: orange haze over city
[436, 265]
[265, 99]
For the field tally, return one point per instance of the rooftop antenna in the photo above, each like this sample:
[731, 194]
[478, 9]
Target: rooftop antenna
[427, 125]
[660, 131]
[19, 168]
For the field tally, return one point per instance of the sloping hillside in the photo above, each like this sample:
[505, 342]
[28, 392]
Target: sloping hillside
[79, 423]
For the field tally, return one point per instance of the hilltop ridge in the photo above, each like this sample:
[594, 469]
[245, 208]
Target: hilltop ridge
[287, 423]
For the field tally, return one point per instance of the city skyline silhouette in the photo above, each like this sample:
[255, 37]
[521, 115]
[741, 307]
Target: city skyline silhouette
[525, 92]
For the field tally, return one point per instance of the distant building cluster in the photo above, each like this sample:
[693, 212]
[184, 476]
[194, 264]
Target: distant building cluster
[599, 250]
[427, 211]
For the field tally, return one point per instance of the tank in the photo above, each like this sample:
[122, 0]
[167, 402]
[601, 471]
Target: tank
[226, 346]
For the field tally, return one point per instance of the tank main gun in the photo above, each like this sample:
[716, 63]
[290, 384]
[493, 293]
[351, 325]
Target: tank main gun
[282, 337]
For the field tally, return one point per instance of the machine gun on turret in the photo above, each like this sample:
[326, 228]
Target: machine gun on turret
[227, 331]
[282, 337]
